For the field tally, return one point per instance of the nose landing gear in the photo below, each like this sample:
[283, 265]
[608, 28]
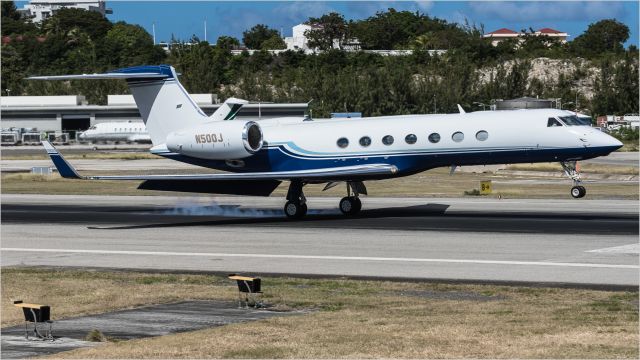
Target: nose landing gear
[577, 191]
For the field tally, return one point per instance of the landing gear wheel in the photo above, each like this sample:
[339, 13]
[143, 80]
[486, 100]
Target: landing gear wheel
[578, 191]
[295, 210]
[350, 205]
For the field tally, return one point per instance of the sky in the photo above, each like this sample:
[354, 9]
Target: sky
[183, 19]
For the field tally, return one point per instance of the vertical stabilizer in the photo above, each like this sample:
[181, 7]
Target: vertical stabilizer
[165, 106]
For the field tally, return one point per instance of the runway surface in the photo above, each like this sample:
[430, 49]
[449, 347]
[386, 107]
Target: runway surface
[589, 242]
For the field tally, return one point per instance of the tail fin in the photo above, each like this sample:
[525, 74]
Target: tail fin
[165, 106]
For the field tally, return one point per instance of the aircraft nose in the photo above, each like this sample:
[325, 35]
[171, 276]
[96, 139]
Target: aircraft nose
[615, 142]
[608, 141]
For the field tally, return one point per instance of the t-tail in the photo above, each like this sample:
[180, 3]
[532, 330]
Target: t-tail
[164, 104]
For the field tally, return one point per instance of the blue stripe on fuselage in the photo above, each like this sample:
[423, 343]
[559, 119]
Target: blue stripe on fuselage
[281, 159]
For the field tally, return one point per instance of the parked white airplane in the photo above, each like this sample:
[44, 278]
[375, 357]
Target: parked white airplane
[259, 156]
[125, 131]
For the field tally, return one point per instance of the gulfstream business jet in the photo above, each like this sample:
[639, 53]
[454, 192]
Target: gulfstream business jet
[258, 156]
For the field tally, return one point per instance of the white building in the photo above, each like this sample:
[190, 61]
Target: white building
[39, 10]
[504, 34]
[300, 42]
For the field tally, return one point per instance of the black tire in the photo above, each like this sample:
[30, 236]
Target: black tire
[295, 210]
[578, 192]
[583, 191]
[358, 205]
[350, 205]
[303, 211]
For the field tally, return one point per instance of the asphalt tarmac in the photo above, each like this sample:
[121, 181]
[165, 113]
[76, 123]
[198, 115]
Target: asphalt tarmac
[553, 242]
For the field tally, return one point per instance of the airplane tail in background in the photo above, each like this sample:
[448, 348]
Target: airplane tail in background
[165, 106]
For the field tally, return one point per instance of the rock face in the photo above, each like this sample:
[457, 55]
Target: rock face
[549, 71]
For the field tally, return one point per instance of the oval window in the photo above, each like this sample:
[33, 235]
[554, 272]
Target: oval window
[434, 137]
[457, 136]
[411, 139]
[365, 141]
[343, 142]
[482, 135]
[387, 140]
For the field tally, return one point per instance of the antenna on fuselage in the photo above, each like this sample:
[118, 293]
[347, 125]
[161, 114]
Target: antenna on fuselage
[307, 115]
[461, 109]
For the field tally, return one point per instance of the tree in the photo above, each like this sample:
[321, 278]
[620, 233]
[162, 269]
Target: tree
[91, 22]
[254, 37]
[13, 23]
[601, 37]
[129, 45]
[393, 29]
[227, 42]
[273, 43]
[326, 30]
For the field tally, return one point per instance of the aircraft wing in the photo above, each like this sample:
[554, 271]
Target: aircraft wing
[125, 76]
[66, 170]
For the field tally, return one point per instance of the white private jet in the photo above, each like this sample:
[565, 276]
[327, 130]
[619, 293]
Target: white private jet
[125, 131]
[260, 155]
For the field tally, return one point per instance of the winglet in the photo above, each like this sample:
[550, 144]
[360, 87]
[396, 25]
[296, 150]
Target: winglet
[461, 109]
[64, 168]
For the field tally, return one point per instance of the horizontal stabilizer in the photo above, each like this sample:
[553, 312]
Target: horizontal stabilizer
[133, 73]
[327, 174]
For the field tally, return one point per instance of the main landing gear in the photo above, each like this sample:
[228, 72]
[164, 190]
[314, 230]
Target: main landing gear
[577, 191]
[351, 204]
[296, 205]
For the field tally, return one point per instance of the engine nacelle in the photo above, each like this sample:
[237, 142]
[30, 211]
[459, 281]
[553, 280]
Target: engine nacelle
[219, 140]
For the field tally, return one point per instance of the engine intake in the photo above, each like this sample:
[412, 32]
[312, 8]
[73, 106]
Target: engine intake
[220, 140]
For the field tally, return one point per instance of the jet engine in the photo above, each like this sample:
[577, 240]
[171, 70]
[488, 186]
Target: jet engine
[218, 140]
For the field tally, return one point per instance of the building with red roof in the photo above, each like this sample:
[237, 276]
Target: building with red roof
[504, 34]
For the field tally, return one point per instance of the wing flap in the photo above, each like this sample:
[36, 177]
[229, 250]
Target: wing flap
[66, 170]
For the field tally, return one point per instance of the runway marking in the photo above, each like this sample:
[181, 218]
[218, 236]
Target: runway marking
[624, 249]
[321, 257]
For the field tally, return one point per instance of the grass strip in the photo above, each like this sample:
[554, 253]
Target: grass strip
[352, 318]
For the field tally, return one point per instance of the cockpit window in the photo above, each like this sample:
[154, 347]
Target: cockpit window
[552, 122]
[585, 120]
[92, 127]
[571, 120]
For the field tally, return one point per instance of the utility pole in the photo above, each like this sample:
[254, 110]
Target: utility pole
[205, 29]
[153, 27]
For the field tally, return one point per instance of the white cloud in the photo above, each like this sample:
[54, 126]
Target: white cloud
[541, 11]
[301, 11]
[424, 6]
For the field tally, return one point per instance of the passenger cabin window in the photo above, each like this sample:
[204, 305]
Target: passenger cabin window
[365, 141]
[434, 138]
[457, 136]
[343, 143]
[552, 122]
[411, 139]
[482, 135]
[572, 120]
[387, 140]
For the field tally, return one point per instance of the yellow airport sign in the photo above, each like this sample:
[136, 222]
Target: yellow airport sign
[485, 187]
